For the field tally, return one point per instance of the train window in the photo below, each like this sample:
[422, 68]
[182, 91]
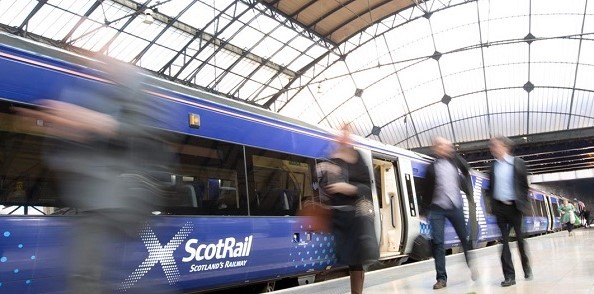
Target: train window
[26, 184]
[420, 188]
[212, 175]
[541, 207]
[556, 209]
[377, 173]
[533, 206]
[279, 183]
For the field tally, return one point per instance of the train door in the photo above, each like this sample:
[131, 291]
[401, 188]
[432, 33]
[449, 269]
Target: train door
[390, 209]
[549, 213]
[398, 207]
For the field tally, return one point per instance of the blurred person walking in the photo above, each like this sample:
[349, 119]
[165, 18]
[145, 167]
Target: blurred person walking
[508, 192]
[568, 216]
[445, 177]
[348, 186]
[108, 161]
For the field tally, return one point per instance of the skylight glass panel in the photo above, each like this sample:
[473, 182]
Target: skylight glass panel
[510, 124]
[299, 62]
[504, 19]
[266, 47]
[556, 74]
[143, 30]
[469, 105]
[187, 69]
[585, 73]
[229, 82]
[249, 88]
[156, 57]
[583, 107]
[363, 57]
[219, 24]
[172, 8]
[126, 47]
[462, 72]
[284, 34]
[93, 38]
[455, 28]
[471, 129]
[555, 50]
[430, 116]
[550, 100]
[52, 22]
[206, 51]
[14, 12]
[411, 41]
[199, 15]
[345, 112]
[508, 101]
[222, 4]
[422, 84]
[207, 75]
[116, 15]
[556, 25]
[263, 75]
[544, 114]
[334, 92]
[246, 38]
[245, 67]
[264, 24]
[301, 43]
[385, 107]
[79, 7]
[370, 76]
[501, 73]
[285, 55]
[174, 39]
[224, 59]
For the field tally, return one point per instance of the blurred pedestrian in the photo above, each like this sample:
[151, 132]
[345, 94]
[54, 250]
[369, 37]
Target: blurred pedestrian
[568, 216]
[446, 176]
[348, 186]
[508, 192]
[108, 161]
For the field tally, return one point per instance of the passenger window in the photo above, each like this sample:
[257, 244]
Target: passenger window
[281, 182]
[210, 179]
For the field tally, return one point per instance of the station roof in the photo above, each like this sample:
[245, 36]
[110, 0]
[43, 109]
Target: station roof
[400, 72]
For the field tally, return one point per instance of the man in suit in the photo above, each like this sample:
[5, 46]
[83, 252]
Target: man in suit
[508, 193]
[446, 176]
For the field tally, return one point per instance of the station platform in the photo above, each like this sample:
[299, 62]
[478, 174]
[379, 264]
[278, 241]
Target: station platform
[560, 264]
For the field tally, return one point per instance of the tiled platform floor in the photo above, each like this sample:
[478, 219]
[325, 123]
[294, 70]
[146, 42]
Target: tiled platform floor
[560, 264]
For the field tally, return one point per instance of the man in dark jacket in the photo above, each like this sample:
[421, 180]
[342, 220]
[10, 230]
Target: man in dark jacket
[508, 192]
[446, 176]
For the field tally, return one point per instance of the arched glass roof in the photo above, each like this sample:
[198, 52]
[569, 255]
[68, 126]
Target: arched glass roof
[399, 72]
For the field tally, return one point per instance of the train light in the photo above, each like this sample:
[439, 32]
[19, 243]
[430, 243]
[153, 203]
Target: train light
[194, 120]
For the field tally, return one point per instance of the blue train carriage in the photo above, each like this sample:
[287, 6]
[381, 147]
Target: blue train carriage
[536, 223]
[243, 175]
[554, 216]
[477, 220]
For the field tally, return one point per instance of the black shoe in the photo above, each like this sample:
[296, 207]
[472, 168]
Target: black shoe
[528, 276]
[508, 282]
[440, 284]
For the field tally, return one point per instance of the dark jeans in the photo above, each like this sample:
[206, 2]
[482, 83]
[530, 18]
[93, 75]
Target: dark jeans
[508, 216]
[437, 221]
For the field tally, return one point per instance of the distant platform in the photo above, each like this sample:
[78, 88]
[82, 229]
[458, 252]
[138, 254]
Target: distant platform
[560, 264]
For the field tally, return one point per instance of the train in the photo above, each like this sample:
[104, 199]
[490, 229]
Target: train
[242, 176]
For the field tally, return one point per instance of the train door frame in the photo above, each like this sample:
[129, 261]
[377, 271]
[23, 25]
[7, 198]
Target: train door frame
[390, 206]
[550, 214]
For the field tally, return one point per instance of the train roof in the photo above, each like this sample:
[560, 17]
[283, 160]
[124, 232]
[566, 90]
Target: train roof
[190, 93]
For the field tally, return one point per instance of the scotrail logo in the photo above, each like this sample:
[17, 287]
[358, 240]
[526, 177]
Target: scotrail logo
[158, 254]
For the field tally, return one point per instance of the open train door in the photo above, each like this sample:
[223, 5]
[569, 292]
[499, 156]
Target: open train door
[394, 184]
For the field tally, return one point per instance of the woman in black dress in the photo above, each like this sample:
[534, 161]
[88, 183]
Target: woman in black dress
[349, 190]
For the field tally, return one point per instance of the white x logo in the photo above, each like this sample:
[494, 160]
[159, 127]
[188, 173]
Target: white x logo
[158, 253]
